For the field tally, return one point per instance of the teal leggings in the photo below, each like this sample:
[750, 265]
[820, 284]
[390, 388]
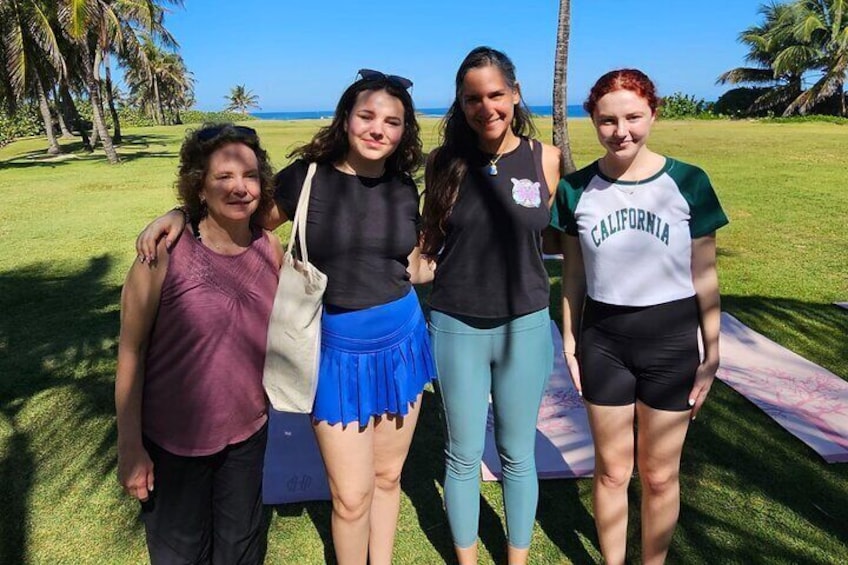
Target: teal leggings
[510, 359]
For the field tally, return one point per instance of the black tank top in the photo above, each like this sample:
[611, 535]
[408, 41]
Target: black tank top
[491, 263]
[360, 231]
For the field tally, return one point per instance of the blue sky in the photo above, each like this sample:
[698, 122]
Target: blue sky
[300, 55]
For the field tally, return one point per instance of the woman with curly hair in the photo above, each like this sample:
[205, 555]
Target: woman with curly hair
[375, 351]
[192, 417]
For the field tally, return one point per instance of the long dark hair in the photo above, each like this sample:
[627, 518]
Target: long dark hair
[330, 144]
[448, 164]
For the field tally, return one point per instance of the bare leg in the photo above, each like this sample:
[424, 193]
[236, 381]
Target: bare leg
[515, 556]
[612, 434]
[466, 555]
[660, 440]
[392, 438]
[348, 454]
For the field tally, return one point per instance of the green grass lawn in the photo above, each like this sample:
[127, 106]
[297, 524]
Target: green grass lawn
[751, 492]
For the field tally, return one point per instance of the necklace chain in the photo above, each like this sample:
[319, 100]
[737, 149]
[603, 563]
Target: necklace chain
[493, 165]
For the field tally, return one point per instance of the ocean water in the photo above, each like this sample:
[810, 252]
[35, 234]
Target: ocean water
[574, 111]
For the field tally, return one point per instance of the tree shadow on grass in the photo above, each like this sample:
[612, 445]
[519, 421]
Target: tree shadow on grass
[752, 492]
[57, 336]
[132, 147]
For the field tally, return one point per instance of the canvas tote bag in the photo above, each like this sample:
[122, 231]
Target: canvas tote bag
[290, 376]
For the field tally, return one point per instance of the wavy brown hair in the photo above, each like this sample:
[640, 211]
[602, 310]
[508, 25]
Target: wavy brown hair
[331, 145]
[448, 164]
[198, 147]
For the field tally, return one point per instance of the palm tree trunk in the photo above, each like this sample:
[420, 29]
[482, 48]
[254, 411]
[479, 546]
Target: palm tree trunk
[93, 86]
[160, 114]
[116, 138]
[61, 114]
[52, 145]
[560, 110]
[71, 109]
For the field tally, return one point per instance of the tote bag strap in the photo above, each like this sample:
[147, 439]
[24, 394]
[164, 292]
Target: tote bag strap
[299, 220]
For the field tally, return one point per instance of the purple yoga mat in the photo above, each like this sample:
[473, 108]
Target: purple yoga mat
[808, 401]
[294, 471]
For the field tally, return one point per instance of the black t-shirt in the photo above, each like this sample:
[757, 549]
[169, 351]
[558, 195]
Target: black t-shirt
[359, 231]
[491, 264]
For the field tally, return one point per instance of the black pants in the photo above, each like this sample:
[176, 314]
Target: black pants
[207, 510]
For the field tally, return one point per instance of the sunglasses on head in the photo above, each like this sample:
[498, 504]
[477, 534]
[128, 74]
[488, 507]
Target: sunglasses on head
[211, 132]
[371, 74]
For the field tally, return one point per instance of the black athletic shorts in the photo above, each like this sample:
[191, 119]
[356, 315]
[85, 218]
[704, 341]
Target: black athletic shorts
[645, 353]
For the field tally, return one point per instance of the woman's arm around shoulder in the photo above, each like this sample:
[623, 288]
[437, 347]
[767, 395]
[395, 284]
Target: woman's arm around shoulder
[139, 304]
[166, 228]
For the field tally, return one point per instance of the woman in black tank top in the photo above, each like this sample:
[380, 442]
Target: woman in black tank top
[487, 200]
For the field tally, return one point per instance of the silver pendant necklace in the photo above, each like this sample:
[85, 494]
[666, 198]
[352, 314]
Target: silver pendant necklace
[493, 165]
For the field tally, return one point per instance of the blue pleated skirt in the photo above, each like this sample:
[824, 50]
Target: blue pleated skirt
[374, 361]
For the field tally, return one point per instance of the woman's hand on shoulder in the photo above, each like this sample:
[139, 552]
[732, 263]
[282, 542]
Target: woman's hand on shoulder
[170, 226]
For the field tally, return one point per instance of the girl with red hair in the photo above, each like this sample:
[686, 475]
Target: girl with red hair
[639, 281]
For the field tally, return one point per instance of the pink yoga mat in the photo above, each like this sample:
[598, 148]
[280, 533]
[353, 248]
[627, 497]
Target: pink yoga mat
[808, 401]
[563, 442]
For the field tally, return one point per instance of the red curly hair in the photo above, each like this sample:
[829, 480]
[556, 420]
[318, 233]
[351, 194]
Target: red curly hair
[633, 80]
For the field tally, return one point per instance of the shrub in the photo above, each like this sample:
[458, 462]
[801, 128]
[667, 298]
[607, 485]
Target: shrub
[679, 105]
[737, 102]
[26, 121]
[198, 117]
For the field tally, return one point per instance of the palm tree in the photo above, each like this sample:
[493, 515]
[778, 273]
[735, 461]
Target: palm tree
[31, 56]
[820, 34]
[241, 99]
[560, 118]
[765, 42]
[97, 28]
[143, 30]
[797, 39]
[158, 79]
[87, 23]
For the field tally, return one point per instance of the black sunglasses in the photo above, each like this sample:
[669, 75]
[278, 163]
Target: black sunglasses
[371, 74]
[211, 132]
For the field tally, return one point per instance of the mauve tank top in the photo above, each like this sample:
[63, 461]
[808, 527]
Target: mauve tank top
[203, 371]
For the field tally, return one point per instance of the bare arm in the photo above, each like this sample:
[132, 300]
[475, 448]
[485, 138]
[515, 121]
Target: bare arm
[276, 247]
[705, 281]
[139, 303]
[272, 218]
[170, 227]
[573, 297]
[551, 165]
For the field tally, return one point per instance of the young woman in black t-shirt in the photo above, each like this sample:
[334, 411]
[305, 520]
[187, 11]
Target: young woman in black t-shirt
[375, 350]
[489, 190]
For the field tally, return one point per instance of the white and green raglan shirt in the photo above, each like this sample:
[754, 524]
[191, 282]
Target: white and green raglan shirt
[636, 236]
